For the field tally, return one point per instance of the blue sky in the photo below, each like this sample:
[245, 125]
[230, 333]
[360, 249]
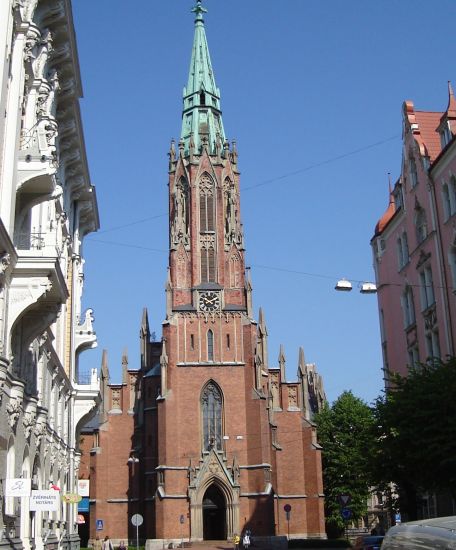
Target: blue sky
[312, 92]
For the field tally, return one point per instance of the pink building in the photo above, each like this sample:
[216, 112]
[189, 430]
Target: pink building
[414, 245]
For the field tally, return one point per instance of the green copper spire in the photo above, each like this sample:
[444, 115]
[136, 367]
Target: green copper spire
[201, 116]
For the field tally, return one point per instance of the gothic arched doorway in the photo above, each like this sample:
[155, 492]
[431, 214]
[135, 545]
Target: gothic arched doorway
[214, 514]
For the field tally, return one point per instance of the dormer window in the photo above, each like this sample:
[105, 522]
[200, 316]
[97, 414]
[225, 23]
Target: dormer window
[445, 135]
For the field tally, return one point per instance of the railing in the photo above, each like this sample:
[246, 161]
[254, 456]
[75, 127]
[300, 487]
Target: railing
[30, 241]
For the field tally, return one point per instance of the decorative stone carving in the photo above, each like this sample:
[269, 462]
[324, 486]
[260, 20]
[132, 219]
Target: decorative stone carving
[77, 462]
[14, 410]
[40, 430]
[115, 399]
[207, 242]
[233, 232]
[274, 389]
[292, 397]
[28, 422]
[206, 185]
[181, 215]
[5, 262]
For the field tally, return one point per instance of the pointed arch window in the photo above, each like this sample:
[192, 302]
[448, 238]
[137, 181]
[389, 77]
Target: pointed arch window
[207, 204]
[210, 345]
[207, 229]
[211, 413]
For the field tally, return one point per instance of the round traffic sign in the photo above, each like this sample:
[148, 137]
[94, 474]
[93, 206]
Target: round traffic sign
[287, 508]
[137, 520]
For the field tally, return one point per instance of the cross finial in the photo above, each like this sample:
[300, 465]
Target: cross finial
[199, 10]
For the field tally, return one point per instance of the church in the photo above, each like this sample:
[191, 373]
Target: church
[215, 439]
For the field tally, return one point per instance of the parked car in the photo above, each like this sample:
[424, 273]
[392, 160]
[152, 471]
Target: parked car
[426, 534]
[368, 542]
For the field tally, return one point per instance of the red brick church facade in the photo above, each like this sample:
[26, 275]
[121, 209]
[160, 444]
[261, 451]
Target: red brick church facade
[206, 439]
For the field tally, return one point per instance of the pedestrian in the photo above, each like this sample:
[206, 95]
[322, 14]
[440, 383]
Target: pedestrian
[122, 545]
[236, 540]
[107, 544]
[246, 541]
[97, 543]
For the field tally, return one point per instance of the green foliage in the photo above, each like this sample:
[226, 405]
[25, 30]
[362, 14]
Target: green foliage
[345, 431]
[416, 432]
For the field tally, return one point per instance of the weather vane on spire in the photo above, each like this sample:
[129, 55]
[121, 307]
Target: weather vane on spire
[199, 10]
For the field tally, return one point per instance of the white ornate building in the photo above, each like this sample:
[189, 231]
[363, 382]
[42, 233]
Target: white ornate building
[47, 206]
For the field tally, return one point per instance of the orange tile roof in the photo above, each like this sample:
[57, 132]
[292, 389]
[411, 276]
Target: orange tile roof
[428, 122]
[387, 216]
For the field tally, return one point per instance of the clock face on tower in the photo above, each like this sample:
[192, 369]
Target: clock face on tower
[209, 301]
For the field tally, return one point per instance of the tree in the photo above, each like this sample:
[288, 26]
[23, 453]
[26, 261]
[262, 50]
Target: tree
[346, 432]
[416, 433]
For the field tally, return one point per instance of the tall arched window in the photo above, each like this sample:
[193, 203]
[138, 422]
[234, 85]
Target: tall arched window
[207, 228]
[210, 345]
[212, 408]
[207, 214]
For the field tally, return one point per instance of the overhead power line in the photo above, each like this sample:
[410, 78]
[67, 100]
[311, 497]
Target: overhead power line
[269, 181]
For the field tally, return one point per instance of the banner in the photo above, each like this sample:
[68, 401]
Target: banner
[83, 487]
[18, 487]
[44, 501]
[71, 498]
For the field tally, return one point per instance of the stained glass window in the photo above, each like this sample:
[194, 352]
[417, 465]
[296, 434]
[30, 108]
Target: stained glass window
[211, 404]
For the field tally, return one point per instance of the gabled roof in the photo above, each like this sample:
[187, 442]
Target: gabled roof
[428, 122]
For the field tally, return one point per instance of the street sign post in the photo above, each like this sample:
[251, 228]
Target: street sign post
[287, 509]
[137, 520]
[99, 525]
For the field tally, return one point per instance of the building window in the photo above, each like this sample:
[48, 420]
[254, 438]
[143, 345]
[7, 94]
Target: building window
[402, 250]
[432, 344]
[445, 135]
[413, 172]
[446, 201]
[413, 356]
[408, 307]
[452, 263]
[207, 265]
[228, 343]
[398, 198]
[426, 288]
[207, 212]
[449, 198]
[211, 408]
[210, 345]
[192, 342]
[207, 228]
[420, 224]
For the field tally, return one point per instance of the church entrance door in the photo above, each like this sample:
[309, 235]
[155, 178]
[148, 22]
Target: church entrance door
[214, 514]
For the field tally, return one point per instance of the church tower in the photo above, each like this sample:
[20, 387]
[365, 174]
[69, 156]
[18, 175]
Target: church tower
[227, 443]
